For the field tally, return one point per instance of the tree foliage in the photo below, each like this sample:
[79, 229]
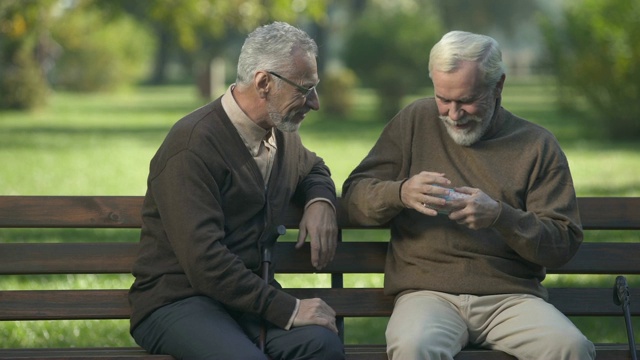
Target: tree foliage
[195, 29]
[33, 32]
[95, 56]
[485, 16]
[22, 36]
[594, 51]
[389, 50]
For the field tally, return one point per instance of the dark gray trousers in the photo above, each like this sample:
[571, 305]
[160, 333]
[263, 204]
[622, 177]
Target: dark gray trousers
[201, 328]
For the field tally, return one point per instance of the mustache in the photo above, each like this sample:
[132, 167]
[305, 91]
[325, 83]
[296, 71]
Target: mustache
[465, 120]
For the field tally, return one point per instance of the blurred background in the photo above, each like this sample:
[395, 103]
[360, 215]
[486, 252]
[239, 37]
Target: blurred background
[587, 46]
[89, 88]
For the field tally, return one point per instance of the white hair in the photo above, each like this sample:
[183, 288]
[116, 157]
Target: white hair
[270, 47]
[457, 46]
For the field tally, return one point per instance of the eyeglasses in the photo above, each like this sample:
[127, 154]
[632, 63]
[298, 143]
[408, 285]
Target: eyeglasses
[303, 90]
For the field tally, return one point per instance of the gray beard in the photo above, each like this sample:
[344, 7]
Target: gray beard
[473, 135]
[283, 123]
[287, 125]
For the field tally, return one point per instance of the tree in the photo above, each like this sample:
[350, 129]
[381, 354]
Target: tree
[485, 16]
[180, 26]
[23, 51]
[184, 27]
[389, 49]
[593, 51]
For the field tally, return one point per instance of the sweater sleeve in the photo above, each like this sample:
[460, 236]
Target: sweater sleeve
[547, 231]
[372, 191]
[314, 177]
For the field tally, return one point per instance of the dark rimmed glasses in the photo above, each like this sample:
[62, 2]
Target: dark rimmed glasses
[303, 90]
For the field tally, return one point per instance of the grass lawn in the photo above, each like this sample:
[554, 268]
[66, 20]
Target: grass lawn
[101, 144]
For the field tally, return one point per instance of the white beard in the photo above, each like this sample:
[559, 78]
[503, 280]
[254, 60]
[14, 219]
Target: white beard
[468, 137]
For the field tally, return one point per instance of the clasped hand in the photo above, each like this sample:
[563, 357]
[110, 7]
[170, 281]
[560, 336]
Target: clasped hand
[424, 193]
[315, 312]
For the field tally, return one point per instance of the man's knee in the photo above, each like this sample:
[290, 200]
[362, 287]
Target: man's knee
[311, 342]
[569, 345]
[327, 345]
[420, 345]
[572, 346]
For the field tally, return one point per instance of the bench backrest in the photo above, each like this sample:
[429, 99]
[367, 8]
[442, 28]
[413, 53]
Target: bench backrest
[363, 256]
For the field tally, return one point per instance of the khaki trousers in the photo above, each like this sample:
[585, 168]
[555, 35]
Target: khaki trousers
[434, 325]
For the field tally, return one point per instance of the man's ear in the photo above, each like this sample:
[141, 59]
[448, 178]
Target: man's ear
[500, 85]
[263, 83]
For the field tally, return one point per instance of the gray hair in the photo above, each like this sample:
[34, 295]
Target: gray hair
[457, 46]
[270, 47]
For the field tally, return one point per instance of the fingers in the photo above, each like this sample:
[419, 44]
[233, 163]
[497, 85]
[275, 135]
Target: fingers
[479, 211]
[320, 225]
[424, 192]
[323, 249]
[315, 312]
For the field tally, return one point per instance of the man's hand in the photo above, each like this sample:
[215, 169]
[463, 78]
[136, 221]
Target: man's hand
[419, 192]
[320, 224]
[478, 211]
[315, 312]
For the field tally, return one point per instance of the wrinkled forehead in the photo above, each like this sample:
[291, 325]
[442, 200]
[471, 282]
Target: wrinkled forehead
[464, 81]
[304, 66]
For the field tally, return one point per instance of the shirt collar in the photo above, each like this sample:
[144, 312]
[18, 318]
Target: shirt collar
[252, 134]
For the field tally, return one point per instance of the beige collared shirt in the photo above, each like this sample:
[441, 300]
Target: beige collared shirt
[261, 144]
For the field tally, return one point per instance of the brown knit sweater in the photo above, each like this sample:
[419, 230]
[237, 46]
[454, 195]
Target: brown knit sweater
[517, 163]
[205, 209]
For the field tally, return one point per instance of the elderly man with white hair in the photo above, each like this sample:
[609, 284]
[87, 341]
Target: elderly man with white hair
[479, 202]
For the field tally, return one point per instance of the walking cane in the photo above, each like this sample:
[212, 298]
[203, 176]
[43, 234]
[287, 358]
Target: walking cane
[267, 240]
[621, 298]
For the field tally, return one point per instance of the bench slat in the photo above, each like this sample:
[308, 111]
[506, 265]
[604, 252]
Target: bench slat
[124, 212]
[610, 213]
[351, 302]
[354, 352]
[72, 211]
[67, 258]
[121, 353]
[352, 257]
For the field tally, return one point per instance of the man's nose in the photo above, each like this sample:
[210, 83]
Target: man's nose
[455, 111]
[313, 101]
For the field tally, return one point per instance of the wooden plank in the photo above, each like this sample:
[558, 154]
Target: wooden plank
[351, 257]
[377, 352]
[603, 258]
[67, 258]
[354, 352]
[116, 353]
[70, 211]
[610, 212]
[124, 211]
[64, 304]
[350, 302]
[83, 212]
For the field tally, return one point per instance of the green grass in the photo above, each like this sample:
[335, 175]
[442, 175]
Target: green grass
[101, 144]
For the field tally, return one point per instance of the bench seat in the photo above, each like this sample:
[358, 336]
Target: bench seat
[364, 256]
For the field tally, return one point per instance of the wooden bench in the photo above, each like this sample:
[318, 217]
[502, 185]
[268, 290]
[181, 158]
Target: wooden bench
[353, 257]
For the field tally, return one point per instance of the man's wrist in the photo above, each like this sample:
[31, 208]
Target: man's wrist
[293, 316]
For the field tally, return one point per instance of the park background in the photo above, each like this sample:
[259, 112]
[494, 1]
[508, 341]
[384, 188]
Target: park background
[89, 88]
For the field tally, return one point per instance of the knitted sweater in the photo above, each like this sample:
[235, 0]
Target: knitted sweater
[205, 208]
[517, 163]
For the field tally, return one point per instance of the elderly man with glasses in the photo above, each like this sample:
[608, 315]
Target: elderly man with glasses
[219, 182]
